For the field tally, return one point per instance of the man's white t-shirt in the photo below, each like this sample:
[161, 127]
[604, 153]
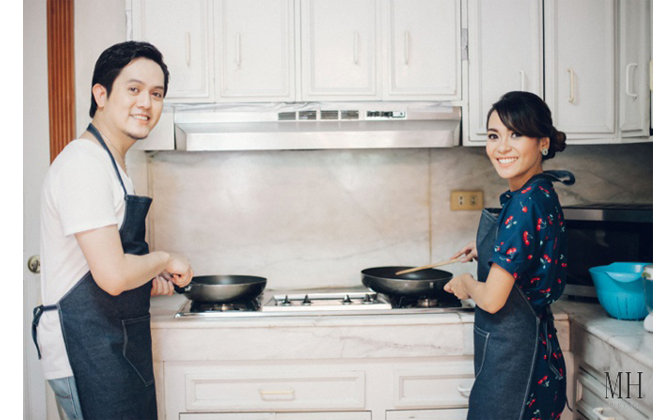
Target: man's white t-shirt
[81, 192]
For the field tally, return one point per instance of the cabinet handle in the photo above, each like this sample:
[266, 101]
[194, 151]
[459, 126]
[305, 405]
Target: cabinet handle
[188, 49]
[407, 47]
[598, 411]
[129, 25]
[278, 395]
[522, 77]
[238, 49]
[628, 79]
[356, 41]
[464, 391]
[571, 99]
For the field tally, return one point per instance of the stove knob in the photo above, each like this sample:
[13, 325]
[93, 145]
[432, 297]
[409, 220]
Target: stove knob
[347, 300]
[367, 299]
[306, 301]
[286, 301]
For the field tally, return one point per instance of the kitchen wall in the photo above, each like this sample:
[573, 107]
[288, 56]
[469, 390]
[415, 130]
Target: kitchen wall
[316, 218]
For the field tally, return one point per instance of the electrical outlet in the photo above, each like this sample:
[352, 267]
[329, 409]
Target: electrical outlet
[467, 200]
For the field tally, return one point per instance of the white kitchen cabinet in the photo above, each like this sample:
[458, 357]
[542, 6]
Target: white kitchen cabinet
[364, 415]
[593, 405]
[422, 45]
[634, 67]
[214, 387]
[580, 66]
[182, 31]
[255, 50]
[438, 387]
[506, 54]
[453, 414]
[340, 50]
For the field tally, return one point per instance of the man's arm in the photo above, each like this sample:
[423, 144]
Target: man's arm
[115, 272]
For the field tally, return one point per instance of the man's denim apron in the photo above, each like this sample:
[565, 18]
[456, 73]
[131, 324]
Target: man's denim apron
[108, 338]
[506, 343]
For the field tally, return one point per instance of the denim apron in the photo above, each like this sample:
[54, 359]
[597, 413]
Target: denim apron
[108, 338]
[506, 343]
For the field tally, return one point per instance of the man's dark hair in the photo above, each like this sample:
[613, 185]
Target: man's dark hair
[115, 58]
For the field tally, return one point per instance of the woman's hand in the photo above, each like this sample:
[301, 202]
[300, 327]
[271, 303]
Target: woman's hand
[469, 252]
[161, 285]
[459, 286]
[179, 270]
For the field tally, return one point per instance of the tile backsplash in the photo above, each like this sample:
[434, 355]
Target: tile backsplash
[307, 219]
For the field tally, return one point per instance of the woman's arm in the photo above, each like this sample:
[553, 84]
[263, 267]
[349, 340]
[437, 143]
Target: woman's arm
[490, 295]
[115, 272]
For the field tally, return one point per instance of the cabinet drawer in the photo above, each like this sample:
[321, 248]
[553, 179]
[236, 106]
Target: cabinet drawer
[442, 387]
[453, 414]
[362, 415]
[228, 388]
[592, 404]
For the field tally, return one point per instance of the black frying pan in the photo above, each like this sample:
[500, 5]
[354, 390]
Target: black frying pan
[424, 283]
[222, 289]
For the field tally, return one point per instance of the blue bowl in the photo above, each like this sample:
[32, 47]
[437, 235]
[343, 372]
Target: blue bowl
[620, 289]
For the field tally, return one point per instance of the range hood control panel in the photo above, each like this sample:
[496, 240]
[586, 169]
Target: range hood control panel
[386, 115]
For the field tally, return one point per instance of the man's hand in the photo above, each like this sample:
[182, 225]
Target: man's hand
[161, 285]
[179, 270]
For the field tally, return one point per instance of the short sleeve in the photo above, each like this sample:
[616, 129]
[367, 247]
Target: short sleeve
[518, 240]
[84, 194]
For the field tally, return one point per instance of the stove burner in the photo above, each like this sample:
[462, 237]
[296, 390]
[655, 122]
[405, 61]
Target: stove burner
[245, 305]
[423, 302]
[426, 303]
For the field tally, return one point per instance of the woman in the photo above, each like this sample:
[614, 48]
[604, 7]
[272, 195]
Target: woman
[519, 367]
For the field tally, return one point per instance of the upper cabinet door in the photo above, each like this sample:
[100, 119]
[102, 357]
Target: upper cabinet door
[506, 54]
[580, 66]
[181, 30]
[423, 49]
[340, 48]
[255, 50]
[634, 67]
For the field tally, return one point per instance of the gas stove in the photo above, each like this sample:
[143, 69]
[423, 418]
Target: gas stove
[321, 302]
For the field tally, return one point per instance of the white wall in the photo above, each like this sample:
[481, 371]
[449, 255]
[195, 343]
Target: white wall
[35, 164]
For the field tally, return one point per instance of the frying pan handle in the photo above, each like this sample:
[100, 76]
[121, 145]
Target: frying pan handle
[182, 290]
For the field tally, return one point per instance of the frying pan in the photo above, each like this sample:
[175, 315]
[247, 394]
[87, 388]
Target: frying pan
[424, 283]
[224, 288]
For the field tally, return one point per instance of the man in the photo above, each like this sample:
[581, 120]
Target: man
[93, 331]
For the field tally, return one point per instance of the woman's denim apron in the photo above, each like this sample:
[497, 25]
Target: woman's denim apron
[506, 343]
[108, 338]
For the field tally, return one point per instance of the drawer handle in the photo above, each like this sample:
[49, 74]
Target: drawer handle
[598, 411]
[286, 395]
[464, 391]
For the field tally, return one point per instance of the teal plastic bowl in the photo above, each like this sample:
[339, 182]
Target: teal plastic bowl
[620, 289]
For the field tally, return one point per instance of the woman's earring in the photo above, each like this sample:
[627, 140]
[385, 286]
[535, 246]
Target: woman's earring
[545, 152]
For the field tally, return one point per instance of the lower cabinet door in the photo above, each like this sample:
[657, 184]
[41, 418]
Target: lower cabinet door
[451, 414]
[592, 405]
[362, 415]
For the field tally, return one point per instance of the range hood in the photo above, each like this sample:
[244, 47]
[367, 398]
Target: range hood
[316, 126]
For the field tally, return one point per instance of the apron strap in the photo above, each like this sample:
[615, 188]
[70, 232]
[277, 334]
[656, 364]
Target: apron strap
[564, 177]
[91, 129]
[37, 314]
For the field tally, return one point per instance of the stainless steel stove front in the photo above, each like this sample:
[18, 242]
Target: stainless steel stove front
[317, 303]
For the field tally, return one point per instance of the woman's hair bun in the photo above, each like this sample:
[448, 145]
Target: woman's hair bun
[556, 143]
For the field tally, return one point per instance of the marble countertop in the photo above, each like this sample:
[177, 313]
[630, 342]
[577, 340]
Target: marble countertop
[629, 337]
